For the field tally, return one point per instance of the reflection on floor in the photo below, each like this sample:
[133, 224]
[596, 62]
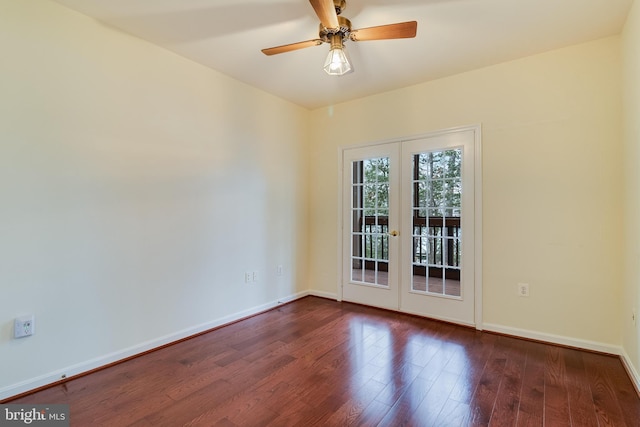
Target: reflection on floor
[436, 285]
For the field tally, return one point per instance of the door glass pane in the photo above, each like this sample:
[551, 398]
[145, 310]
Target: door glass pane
[370, 221]
[437, 233]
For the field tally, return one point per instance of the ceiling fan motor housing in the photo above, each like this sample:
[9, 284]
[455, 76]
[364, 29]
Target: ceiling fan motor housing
[344, 29]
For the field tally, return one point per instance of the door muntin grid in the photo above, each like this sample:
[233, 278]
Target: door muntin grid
[437, 226]
[370, 221]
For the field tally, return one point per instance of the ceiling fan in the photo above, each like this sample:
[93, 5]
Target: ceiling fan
[336, 30]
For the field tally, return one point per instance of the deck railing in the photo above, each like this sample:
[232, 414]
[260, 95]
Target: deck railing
[436, 244]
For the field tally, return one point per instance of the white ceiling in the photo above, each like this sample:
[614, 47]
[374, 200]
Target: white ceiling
[453, 36]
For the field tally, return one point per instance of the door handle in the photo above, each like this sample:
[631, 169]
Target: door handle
[393, 233]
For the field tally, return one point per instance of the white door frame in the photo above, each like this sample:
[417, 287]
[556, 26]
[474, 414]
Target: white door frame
[477, 196]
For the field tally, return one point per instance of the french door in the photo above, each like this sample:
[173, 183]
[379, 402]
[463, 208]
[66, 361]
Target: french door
[408, 226]
[371, 201]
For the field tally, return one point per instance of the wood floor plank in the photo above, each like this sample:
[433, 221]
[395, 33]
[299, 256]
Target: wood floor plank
[295, 413]
[484, 398]
[426, 410]
[326, 363]
[556, 402]
[354, 406]
[454, 414]
[372, 414]
[581, 407]
[605, 392]
[531, 408]
[507, 404]
[625, 393]
[477, 352]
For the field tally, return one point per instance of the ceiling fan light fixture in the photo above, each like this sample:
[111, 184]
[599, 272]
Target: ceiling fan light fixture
[337, 63]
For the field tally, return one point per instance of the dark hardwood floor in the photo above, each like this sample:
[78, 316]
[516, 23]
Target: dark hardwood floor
[320, 362]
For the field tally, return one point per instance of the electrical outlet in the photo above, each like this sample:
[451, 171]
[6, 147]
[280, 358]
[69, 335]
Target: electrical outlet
[523, 289]
[255, 276]
[248, 277]
[279, 270]
[24, 326]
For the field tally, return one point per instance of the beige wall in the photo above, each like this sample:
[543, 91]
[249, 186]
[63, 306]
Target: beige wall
[631, 293]
[552, 182]
[136, 188]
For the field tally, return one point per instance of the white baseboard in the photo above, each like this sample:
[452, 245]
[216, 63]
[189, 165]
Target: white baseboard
[554, 339]
[631, 370]
[89, 365]
[441, 318]
[288, 298]
[322, 294]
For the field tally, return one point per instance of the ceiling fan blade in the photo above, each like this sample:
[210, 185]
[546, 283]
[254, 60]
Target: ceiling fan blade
[326, 12]
[402, 30]
[289, 47]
